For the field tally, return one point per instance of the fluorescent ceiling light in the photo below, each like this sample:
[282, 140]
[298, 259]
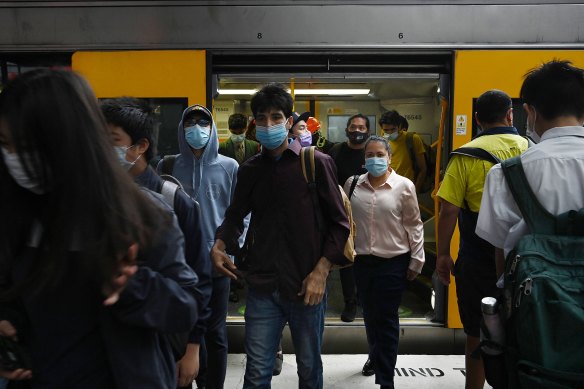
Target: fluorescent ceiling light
[331, 92]
[236, 91]
[328, 92]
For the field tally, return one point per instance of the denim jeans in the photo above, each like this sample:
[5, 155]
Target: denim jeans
[213, 351]
[265, 317]
[380, 286]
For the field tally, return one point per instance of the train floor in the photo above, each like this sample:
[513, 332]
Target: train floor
[344, 372]
[415, 302]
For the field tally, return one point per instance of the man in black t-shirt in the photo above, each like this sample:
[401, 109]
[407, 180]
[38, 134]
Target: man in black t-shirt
[349, 157]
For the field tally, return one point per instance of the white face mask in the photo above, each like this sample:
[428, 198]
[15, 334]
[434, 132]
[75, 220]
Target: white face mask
[530, 130]
[17, 171]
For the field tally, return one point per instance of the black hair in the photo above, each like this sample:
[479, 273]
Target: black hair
[272, 95]
[404, 125]
[237, 121]
[360, 116]
[555, 89]
[90, 202]
[492, 106]
[137, 119]
[391, 118]
[376, 138]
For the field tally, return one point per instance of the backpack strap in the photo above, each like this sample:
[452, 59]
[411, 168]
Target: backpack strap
[321, 141]
[353, 185]
[309, 172]
[168, 164]
[477, 152]
[410, 146]
[168, 191]
[538, 219]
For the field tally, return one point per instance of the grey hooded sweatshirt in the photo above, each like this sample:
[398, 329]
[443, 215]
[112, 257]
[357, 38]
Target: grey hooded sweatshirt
[210, 180]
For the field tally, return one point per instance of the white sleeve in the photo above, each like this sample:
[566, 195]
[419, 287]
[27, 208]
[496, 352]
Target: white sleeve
[499, 212]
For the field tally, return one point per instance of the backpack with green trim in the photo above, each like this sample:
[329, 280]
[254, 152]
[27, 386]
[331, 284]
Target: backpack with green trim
[544, 293]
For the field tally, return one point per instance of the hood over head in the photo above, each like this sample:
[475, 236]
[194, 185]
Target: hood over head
[211, 150]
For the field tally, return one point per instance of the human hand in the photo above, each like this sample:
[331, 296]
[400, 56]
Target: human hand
[7, 330]
[188, 366]
[222, 262]
[444, 266]
[314, 285]
[127, 267]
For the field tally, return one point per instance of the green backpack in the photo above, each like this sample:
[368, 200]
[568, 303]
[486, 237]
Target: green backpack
[544, 293]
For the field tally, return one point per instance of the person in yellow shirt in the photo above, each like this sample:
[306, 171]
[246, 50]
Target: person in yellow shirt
[460, 193]
[402, 162]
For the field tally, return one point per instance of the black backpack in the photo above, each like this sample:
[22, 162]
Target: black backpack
[429, 157]
[170, 187]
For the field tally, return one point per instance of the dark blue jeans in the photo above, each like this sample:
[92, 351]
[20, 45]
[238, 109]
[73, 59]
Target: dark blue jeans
[213, 351]
[380, 286]
[265, 317]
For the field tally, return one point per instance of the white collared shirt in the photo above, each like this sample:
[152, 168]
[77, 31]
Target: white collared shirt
[388, 219]
[555, 171]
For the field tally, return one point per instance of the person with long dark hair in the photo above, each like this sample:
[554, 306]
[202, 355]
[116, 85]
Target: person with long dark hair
[92, 269]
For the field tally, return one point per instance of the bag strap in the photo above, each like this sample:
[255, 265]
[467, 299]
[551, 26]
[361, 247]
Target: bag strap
[168, 191]
[538, 219]
[309, 172]
[168, 164]
[353, 185]
[477, 152]
[410, 146]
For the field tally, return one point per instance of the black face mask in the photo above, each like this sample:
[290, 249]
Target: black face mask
[357, 137]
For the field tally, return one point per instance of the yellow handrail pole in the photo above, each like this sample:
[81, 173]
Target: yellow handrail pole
[439, 147]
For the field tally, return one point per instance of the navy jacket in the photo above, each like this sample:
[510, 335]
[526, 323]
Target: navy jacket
[196, 253]
[77, 342]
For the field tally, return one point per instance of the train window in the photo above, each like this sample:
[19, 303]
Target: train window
[13, 64]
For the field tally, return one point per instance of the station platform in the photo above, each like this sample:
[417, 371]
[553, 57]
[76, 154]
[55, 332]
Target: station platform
[343, 371]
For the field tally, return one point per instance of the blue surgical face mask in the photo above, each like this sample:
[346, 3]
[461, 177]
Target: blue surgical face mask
[122, 151]
[237, 138]
[197, 137]
[272, 137]
[18, 172]
[376, 166]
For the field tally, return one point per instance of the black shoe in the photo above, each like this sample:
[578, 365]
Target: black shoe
[368, 369]
[349, 312]
[278, 364]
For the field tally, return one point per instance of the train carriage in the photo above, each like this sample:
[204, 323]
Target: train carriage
[428, 59]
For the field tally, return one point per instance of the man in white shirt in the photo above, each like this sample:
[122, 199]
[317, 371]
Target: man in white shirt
[553, 98]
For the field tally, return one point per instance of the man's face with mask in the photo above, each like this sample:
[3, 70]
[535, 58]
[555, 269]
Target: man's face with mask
[357, 132]
[197, 129]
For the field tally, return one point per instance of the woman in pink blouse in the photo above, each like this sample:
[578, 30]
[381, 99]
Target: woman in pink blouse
[390, 249]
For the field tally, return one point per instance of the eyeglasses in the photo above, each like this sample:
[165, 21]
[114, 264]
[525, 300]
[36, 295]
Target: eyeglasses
[201, 122]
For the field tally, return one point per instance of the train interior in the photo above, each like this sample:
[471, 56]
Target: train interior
[332, 100]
